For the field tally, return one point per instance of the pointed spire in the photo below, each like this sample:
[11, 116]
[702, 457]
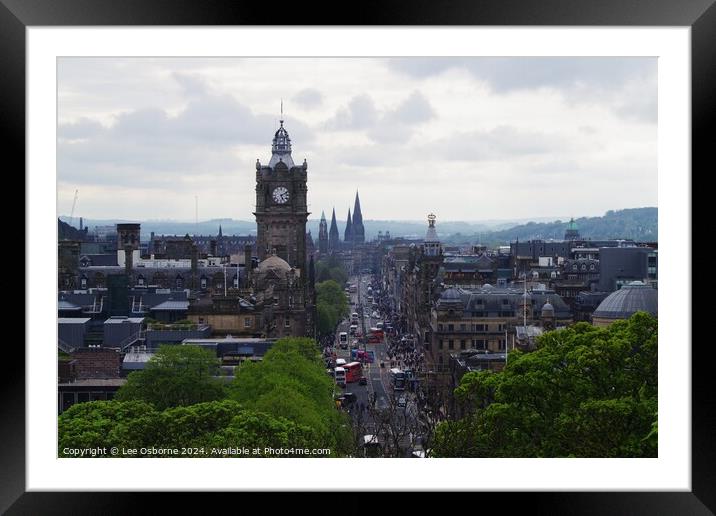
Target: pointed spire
[323, 234]
[358, 231]
[348, 235]
[333, 236]
[220, 235]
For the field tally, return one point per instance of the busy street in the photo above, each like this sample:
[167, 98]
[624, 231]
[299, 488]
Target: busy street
[384, 399]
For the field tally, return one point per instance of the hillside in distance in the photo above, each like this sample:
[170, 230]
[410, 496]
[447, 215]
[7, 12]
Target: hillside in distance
[638, 224]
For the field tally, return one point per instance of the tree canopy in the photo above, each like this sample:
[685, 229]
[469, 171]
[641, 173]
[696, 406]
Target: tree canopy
[209, 429]
[285, 400]
[584, 392]
[174, 376]
[291, 382]
[331, 306]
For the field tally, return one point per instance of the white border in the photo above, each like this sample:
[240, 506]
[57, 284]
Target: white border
[672, 470]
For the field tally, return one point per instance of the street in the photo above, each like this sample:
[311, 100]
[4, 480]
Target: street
[385, 418]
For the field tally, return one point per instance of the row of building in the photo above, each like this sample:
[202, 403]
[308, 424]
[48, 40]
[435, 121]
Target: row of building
[466, 308]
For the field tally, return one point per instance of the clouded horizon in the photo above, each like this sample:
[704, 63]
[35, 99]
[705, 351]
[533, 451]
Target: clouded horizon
[465, 138]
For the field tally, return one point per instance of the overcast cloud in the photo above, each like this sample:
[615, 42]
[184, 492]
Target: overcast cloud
[467, 138]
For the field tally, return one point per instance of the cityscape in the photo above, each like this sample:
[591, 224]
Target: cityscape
[360, 339]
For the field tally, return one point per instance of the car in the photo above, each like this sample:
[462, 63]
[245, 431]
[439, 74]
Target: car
[350, 397]
[363, 381]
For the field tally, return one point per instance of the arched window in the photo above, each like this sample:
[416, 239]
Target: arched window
[140, 280]
[83, 282]
[202, 282]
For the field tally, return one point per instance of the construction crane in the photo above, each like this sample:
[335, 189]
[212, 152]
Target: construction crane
[74, 203]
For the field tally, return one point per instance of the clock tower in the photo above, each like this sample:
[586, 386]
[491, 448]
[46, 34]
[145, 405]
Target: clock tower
[281, 205]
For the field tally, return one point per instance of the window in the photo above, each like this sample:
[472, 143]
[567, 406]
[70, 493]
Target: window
[440, 327]
[83, 283]
[451, 327]
[472, 327]
[287, 322]
[440, 344]
[462, 344]
[473, 343]
[592, 267]
[140, 280]
[451, 344]
[479, 327]
[203, 283]
[236, 281]
[247, 322]
[275, 301]
[574, 267]
[584, 266]
[463, 327]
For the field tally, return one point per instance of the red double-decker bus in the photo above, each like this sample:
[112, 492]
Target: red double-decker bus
[354, 371]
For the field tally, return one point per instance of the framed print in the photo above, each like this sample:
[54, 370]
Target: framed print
[485, 113]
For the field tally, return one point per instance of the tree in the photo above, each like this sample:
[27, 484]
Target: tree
[209, 429]
[585, 392]
[291, 382]
[174, 376]
[331, 306]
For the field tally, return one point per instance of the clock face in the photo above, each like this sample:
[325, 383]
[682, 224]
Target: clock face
[280, 195]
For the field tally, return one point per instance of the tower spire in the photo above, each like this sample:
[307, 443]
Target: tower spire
[357, 226]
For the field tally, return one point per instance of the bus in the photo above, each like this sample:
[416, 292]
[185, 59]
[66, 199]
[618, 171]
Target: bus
[340, 375]
[343, 340]
[354, 371]
[397, 379]
[354, 318]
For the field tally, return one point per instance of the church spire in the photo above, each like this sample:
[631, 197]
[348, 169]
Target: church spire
[333, 236]
[323, 235]
[348, 235]
[357, 226]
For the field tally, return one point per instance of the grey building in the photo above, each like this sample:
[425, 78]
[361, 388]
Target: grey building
[621, 265]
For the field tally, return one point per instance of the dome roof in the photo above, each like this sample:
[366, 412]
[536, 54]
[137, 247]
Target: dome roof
[450, 295]
[631, 298]
[547, 309]
[273, 262]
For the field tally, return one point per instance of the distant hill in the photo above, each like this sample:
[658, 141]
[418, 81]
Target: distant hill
[639, 224]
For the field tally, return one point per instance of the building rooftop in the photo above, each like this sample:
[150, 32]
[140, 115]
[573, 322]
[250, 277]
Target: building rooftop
[73, 320]
[172, 305]
[124, 320]
[631, 298]
[95, 382]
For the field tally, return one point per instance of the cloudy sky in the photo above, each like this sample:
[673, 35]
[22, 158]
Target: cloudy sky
[466, 138]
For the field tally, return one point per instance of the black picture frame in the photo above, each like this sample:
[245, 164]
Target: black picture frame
[700, 15]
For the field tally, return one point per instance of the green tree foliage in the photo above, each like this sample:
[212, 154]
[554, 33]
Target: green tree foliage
[207, 427]
[331, 268]
[174, 376]
[331, 306]
[291, 382]
[286, 400]
[585, 392]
